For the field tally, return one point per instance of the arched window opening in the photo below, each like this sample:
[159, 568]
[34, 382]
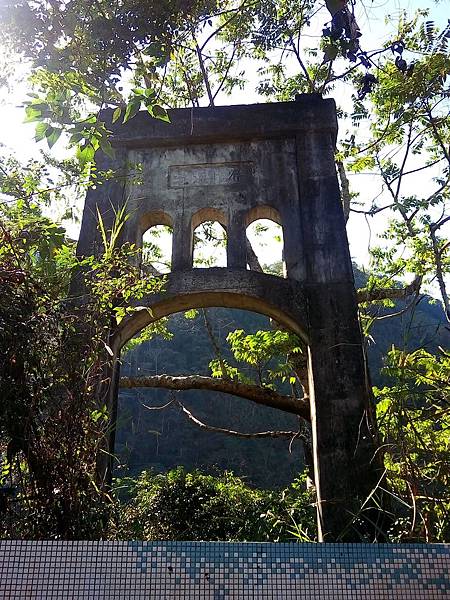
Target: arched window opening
[265, 241]
[154, 432]
[157, 249]
[210, 245]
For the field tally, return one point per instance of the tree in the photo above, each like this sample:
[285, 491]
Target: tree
[53, 354]
[413, 415]
[408, 144]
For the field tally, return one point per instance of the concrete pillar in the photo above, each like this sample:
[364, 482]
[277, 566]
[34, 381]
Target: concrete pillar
[236, 242]
[107, 198]
[343, 446]
[182, 243]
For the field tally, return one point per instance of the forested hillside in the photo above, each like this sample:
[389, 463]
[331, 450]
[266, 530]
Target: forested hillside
[163, 439]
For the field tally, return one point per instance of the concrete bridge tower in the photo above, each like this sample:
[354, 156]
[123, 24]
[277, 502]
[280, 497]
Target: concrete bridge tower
[234, 165]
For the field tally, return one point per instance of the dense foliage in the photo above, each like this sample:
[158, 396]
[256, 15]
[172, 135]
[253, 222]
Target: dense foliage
[407, 146]
[184, 505]
[53, 351]
[414, 421]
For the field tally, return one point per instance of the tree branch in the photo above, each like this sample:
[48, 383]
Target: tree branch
[204, 71]
[372, 295]
[260, 434]
[215, 344]
[345, 189]
[398, 313]
[224, 78]
[255, 393]
[439, 271]
[252, 259]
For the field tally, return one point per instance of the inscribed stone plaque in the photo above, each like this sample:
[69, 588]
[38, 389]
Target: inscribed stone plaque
[209, 174]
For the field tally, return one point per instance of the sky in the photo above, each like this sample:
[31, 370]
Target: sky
[375, 24]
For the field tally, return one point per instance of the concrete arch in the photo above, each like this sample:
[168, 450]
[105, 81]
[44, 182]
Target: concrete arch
[263, 211]
[152, 218]
[280, 299]
[208, 214]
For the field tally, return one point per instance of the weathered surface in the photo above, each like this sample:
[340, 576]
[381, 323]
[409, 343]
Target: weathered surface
[280, 299]
[235, 165]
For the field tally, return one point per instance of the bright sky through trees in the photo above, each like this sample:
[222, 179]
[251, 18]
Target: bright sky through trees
[376, 19]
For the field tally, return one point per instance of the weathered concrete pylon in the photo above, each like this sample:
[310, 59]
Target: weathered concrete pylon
[237, 164]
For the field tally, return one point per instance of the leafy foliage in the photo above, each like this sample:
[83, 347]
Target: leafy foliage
[414, 421]
[79, 52]
[193, 506]
[408, 144]
[267, 353]
[53, 351]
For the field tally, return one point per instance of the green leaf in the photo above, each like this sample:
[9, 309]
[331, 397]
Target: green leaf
[96, 415]
[120, 314]
[32, 114]
[155, 49]
[132, 109]
[76, 138]
[52, 134]
[85, 154]
[106, 147]
[116, 114]
[159, 112]
[41, 131]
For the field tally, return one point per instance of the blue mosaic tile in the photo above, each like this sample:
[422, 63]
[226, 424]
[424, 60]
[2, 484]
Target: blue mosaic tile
[214, 570]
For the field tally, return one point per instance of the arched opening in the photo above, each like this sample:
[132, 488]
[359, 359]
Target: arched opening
[157, 249]
[265, 244]
[209, 238]
[156, 243]
[148, 437]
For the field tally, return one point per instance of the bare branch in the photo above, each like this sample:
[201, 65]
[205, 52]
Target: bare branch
[204, 71]
[255, 393]
[439, 271]
[372, 211]
[301, 63]
[435, 226]
[399, 312]
[260, 434]
[444, 248]
[227, 22]
[224, 78]
[438, 136]
[215, 344]
[372, 295]
[345, 189]
[395, 194]
[252, 259]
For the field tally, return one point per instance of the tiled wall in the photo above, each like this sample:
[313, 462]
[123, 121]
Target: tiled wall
[214, 570]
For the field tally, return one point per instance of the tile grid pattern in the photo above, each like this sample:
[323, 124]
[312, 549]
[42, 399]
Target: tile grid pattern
[60, 570]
